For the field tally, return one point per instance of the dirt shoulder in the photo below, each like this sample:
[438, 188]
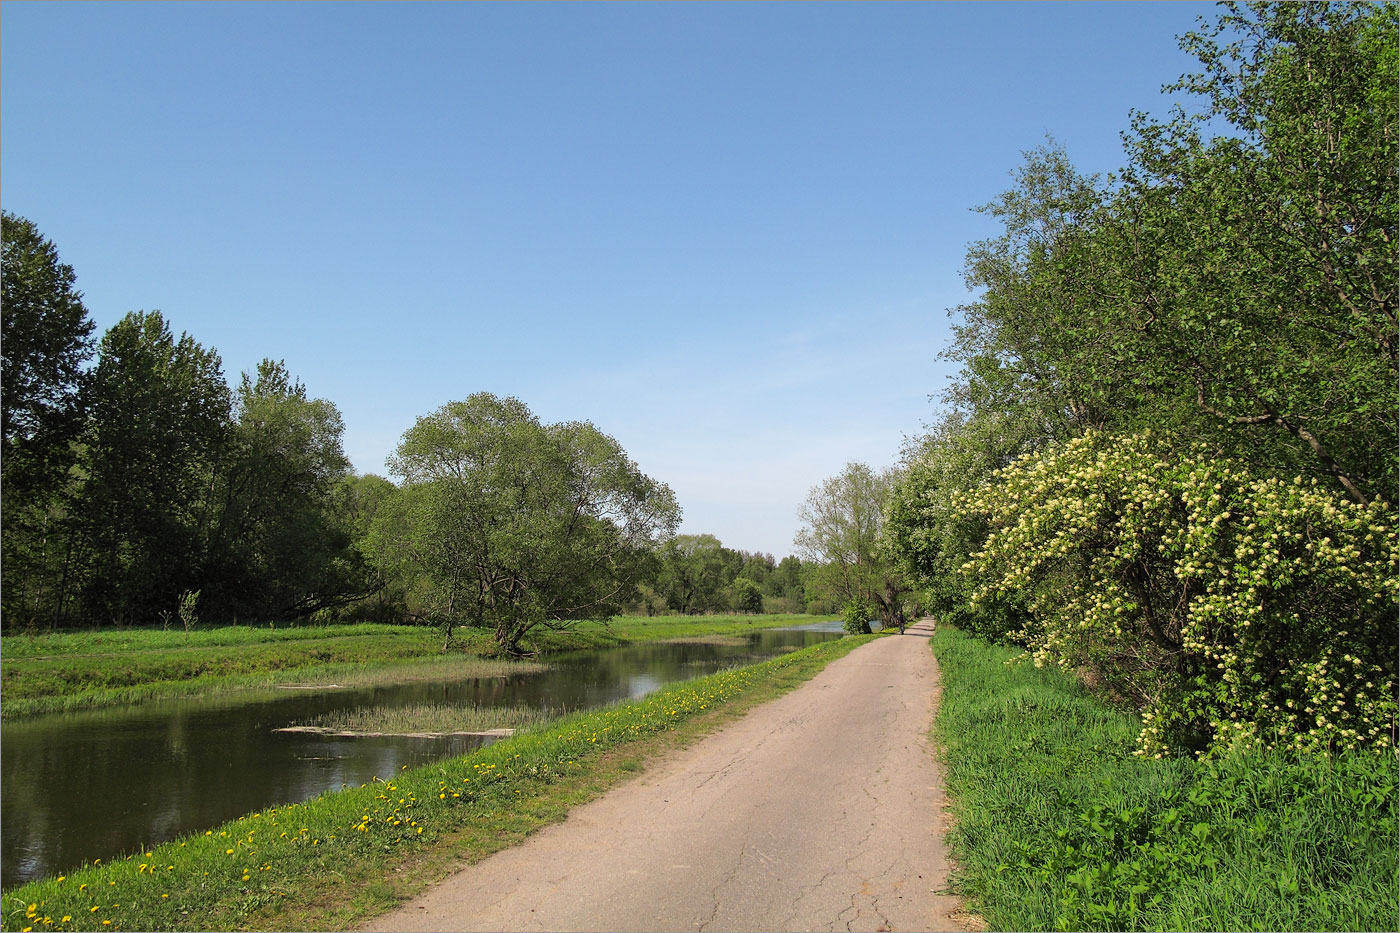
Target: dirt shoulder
[820, 810]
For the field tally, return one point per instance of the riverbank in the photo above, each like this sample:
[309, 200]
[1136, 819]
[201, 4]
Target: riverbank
[334, 860]
[1060, 827]
[104, 668]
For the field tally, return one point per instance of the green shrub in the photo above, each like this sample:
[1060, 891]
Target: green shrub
[1233, 610]
[857, 615]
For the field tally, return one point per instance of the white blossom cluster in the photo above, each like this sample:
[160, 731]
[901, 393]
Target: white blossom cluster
[1237, 609]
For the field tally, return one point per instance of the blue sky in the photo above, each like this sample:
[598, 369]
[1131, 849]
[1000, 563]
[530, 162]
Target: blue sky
[726, 234]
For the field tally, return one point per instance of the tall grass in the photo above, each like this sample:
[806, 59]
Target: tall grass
[431, 718]
[1059, 827]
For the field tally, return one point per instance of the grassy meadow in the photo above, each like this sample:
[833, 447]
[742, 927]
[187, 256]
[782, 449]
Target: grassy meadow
[86, 669]
[1060, 827]
[339, 858]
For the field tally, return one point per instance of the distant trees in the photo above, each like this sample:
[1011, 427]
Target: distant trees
[842, 533]
[692, 573]
[698, 574]
[510, 524]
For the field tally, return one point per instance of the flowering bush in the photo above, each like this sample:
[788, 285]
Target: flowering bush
[1231, 609]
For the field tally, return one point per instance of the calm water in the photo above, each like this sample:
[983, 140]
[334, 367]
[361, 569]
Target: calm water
[80, 786]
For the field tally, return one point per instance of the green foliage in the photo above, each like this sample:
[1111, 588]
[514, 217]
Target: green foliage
[692, 573]
[189, 615]
[843, 540]
[1240, 288]
[1233, 290]
[1234, 610]
[1059, 826]
[747, 597]
[509, 524]
[159, 427]
[280, 546]
[857, 617]
[929, 538]
[46, 336]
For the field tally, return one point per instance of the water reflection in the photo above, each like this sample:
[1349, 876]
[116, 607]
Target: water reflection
[80, 786]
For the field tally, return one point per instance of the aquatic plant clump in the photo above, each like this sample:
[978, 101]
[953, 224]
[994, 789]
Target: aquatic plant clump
[431, 718]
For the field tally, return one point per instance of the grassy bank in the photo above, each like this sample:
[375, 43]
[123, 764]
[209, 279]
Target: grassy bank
[331, 862]
[83, 670]
[1060, 827]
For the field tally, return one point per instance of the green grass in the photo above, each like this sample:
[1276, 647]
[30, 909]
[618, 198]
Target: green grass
[334, 860]
[83, 670]
[431, 718]
[1060, 827]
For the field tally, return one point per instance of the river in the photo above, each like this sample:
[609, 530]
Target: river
[96, 784]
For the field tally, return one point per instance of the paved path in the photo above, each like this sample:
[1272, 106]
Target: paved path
[820, 810]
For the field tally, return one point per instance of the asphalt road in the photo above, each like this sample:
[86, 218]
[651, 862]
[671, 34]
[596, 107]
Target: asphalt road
[821, 810]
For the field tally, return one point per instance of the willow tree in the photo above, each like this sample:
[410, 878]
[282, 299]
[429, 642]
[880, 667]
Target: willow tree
[505, 523]
[843, 535]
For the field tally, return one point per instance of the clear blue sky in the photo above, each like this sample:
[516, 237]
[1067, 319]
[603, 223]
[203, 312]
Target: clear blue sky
[726, 234]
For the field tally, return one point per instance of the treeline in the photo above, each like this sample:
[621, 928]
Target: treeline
[1170, 462]
[140, 489]
[144, 484]
[697, 574]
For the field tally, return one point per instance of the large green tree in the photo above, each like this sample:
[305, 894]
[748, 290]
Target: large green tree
[279, 545]
[157, 433]
[1236, 283]
[45, 339]
[510, 524]
[1255, 239]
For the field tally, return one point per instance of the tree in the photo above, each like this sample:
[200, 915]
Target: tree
[278, 547]
[510, 524]
[1262, 263]
[1237, 282]
[930, 538]
[692, 573]
[357, 502]
[158, 430]
[1234, 609]
[746, 596]
[45, 340]
[842, 528]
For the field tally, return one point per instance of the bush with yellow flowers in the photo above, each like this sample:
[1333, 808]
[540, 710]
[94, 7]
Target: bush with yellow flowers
[1231, 609]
